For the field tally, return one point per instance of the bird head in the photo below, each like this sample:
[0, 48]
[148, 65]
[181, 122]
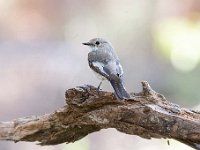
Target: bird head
[98, 43]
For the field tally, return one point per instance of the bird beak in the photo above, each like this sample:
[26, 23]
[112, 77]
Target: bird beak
[88, 44]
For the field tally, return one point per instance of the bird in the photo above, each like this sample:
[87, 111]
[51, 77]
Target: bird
[104, 61]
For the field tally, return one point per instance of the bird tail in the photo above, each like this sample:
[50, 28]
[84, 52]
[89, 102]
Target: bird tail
[120, 91]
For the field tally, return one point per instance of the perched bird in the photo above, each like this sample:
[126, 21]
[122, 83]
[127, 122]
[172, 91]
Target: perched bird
[104, 61]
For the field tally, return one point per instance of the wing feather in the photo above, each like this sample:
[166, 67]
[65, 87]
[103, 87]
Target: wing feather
[111, 70]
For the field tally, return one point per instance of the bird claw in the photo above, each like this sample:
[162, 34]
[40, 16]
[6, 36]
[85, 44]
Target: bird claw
[98, 88]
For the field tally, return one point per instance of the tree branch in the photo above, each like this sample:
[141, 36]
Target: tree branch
[147, 114]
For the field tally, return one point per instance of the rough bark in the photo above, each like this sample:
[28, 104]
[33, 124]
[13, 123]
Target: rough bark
[147, 114]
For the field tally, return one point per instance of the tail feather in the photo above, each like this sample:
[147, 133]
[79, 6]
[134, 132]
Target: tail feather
[119, 89]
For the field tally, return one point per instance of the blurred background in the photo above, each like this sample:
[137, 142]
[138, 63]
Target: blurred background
[41, 56]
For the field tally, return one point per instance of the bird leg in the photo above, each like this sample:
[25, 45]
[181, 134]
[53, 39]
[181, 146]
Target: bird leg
[98, 88]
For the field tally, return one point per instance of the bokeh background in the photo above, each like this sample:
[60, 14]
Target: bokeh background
[41, 56]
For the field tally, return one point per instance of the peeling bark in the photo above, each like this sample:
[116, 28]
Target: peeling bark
[147, 114]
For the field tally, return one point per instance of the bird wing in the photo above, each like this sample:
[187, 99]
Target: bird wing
[98, 68]
[112, 70]
[96, 65]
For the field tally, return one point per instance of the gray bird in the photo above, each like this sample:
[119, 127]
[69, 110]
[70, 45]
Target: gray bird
[104, 61]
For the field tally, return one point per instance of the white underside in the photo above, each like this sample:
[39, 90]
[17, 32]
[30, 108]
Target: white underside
[99, 76]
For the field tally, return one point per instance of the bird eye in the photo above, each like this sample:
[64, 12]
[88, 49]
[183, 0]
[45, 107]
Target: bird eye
[97, 43]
